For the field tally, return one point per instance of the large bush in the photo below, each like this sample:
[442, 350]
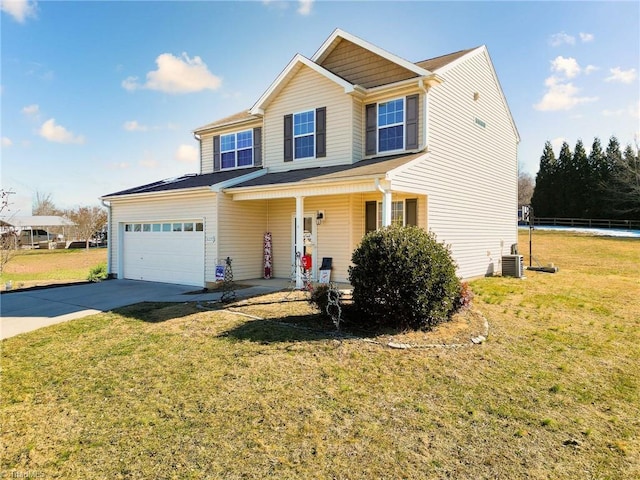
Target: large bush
[402, 277]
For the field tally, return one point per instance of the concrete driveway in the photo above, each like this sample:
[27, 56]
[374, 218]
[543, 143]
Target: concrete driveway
[32, 309]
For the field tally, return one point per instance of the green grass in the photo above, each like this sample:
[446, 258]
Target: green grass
[175, 391]
[42, 267]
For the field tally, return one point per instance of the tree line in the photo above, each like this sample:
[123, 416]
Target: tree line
[602, 184]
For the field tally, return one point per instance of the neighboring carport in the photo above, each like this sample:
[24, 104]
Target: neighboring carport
[34, 222]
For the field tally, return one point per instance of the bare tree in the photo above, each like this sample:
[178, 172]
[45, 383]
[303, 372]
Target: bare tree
[43, 205]
[8, 239]
[525, 188]
[89, 220]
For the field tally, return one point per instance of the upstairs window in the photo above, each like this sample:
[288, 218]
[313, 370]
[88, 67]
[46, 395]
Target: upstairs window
[236, 149]
[391, 125]
[304, 134]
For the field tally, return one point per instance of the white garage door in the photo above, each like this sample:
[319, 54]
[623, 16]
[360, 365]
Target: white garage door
[169, 252]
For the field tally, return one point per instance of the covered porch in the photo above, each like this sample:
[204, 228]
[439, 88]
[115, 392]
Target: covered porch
[323, 215]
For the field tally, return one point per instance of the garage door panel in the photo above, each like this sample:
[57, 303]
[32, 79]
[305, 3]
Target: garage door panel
[170, 257]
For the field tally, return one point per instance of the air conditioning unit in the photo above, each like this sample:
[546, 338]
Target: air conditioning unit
[512, 266]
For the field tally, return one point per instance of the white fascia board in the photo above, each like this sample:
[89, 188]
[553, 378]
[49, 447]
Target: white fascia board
[259, 106]
[234, 181]
[369, 46]
[158, 194]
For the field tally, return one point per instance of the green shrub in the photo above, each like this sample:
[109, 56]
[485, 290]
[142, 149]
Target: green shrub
[98, 273]
[403, 277]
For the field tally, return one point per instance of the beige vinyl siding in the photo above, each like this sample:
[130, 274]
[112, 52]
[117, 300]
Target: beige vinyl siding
[206, 154]
[241, 228]
[309, 90]
[470, 174]
[363, 67]
[161, 208]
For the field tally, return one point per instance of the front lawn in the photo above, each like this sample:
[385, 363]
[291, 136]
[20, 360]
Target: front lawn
[178, 391]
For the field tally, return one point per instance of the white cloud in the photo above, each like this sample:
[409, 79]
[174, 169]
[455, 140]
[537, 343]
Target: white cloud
[20, 10]
[556, 144]
[186, 154]
[561, 38]
[561, 96]
[304, 6]
[586, 37]
[57, 133]
[6, 142]
[568, 66]
[120, 165]
[590, 69]
[623, 76]
[31, 110]
[613, 113]
[176, 75]
[134, 126]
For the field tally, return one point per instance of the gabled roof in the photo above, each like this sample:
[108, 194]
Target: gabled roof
[338, 35]
[240, 117]
[436, 63]
[188, 181]
[290, 70]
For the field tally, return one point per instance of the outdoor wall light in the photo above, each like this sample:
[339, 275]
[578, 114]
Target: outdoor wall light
[319, 217]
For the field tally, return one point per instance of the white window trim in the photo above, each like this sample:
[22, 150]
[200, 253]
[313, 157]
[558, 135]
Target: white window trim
[313, 135]
[403, 123]
[236, 150]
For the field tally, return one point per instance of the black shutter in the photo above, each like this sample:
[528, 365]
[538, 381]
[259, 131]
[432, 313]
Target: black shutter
[216, 153]
[371, 216]
[257, 147]
[411, 205]
[411, 139]
[321, 132]
[371, 127]
[288, 138]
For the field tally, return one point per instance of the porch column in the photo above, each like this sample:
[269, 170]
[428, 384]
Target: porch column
[299, 240]
[386, 208]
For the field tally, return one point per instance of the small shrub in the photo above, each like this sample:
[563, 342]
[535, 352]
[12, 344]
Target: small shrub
[98, 273]
[403, 277]
[318, 297]
[465, 297]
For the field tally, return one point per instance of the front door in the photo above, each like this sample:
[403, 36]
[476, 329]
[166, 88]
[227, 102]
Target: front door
[309, 241]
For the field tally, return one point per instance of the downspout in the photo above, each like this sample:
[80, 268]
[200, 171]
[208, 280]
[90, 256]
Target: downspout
[197, 137]
[386, 204]
[109, 237]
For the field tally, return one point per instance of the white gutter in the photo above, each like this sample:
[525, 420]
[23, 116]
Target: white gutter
[386, 204]
[109, 237]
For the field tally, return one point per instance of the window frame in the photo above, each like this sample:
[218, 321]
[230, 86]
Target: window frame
[403, 124]
[393, 202]
[295, 136]
[236, 150]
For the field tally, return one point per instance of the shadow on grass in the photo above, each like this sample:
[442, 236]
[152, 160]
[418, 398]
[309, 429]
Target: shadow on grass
[156, 312]
[293, 328]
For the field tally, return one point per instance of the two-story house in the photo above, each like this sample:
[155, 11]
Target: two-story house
[350, 140]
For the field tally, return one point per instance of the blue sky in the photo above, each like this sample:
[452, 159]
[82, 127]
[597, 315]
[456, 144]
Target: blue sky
[101, 96]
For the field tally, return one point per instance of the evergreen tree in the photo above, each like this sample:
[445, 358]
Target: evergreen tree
[612, 161]
[625, 186]
[576, 175]
[594, 202]
[542, 194]
[565, 171]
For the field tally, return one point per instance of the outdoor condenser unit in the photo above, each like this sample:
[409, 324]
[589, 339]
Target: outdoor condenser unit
[512, 266]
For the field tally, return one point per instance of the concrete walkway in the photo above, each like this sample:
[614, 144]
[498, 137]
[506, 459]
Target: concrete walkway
[29, 310]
